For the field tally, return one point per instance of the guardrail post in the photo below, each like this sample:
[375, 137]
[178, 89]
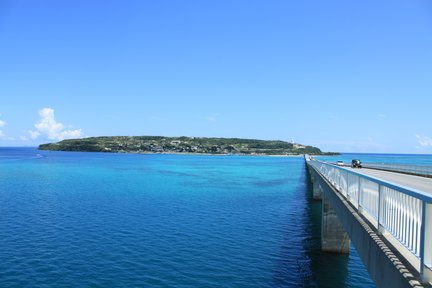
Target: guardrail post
[426, 243]
[360, 208]
[348, 182]
[380, 228]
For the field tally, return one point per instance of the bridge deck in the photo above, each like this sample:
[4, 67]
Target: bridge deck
[417, 182]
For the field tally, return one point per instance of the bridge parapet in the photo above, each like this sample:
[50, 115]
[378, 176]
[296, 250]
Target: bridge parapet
[400, 214]
[420, 170]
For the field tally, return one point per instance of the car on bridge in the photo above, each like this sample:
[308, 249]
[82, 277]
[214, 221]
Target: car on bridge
[340, 163]
[356, 163]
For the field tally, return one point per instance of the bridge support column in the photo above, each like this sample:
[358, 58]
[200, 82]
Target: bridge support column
[333, 236]
[317, 190]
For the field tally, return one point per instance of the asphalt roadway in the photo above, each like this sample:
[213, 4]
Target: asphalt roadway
[423, 184]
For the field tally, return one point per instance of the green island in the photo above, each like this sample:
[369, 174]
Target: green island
[196, 145]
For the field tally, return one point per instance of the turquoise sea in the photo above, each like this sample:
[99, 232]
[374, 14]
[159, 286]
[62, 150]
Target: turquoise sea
[70, 219]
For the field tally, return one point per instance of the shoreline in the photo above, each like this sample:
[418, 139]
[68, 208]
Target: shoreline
[180, 145]
[183, 153]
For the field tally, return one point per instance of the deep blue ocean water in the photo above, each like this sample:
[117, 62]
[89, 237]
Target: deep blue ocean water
[70, 219]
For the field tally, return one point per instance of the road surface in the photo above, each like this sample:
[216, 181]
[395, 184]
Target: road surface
[411, 181]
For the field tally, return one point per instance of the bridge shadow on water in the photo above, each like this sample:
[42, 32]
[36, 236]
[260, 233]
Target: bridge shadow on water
[313, 268]
[327, 269]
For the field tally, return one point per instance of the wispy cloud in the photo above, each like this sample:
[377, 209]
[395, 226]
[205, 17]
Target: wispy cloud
[2, 135]
[213, 117]
[361, 145]
[424, 141]
[381, 115]
[50, 128]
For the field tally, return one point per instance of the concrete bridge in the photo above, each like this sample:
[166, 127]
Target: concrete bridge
[386, 215]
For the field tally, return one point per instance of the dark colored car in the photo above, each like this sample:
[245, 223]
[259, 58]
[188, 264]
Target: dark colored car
[356, 163]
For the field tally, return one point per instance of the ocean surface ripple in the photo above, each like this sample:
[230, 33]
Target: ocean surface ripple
[118, 220]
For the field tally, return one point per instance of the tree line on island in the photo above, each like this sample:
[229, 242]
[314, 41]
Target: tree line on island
[199, 145]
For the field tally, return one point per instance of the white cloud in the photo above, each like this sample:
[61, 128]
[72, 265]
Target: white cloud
[34, 134]
[49, 127]
[5, 137]
[424, 141]
[2, 135]
[381, 115]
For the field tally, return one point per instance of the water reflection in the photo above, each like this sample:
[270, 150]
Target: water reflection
[327, 269]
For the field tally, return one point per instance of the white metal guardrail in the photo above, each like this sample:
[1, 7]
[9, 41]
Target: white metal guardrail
[405, 168]
[404, 213]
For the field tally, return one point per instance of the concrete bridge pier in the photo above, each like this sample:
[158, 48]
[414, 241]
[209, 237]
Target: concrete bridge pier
[317, 189]
[333, 236]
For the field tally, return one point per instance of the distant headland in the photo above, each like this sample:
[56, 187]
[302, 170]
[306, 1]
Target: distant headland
[187, 145]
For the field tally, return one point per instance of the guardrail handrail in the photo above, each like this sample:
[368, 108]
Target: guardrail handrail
[422, 170]
[403, 212]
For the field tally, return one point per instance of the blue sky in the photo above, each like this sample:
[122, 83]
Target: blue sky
[350, 76]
